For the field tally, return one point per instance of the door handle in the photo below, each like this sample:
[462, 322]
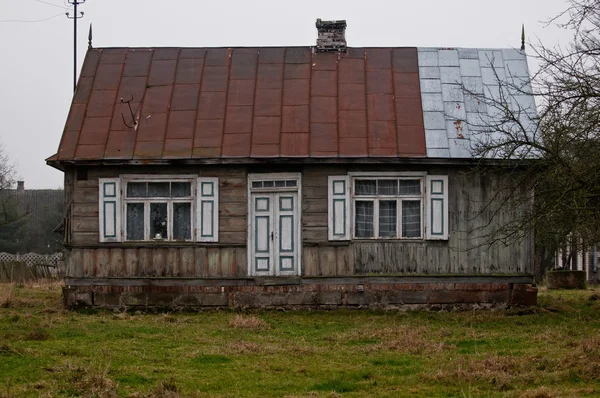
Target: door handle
[272, 233]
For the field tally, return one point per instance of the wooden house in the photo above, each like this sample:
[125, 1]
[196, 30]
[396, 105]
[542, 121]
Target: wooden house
[317, 176]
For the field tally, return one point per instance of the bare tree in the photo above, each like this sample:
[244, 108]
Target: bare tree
[8, 171]
[554, 152]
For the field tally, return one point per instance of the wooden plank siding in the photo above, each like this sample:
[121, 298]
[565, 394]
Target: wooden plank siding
[462, 254]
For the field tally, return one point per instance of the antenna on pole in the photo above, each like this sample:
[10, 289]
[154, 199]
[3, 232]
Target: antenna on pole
[523, 37]
[75, 17]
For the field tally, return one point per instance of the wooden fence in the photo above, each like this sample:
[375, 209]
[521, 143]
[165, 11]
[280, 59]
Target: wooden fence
[30, 266]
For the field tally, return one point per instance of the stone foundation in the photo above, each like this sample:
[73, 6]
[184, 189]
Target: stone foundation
[297, 295]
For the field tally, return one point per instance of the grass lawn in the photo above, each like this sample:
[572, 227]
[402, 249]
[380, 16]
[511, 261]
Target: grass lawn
[546, 351]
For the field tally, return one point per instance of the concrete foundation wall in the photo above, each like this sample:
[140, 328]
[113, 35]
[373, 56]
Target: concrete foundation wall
[297, 296]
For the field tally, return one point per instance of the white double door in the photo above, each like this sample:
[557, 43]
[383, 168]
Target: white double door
[274, 233]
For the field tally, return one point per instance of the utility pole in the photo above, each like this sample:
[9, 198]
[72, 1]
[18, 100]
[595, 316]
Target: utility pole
[75, 17]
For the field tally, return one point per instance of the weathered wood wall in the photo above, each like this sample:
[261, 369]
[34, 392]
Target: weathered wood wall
[83, 208]
[464, 253]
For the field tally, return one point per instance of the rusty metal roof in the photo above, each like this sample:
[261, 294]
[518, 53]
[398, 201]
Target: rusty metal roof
[276, 102]
[245, 103]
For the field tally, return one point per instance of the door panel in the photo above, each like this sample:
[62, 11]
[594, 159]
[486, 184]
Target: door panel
[274, 246]
[263, 230]
[286, 233]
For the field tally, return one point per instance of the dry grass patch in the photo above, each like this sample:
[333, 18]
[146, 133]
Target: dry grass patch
[87, 381]
[251, 322]
[542, 392]
[245, 347]
[403, 338]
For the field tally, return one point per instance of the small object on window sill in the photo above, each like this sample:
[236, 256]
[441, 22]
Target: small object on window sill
[158, 236]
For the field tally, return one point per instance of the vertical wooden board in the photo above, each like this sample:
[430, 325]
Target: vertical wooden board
[327, 261]
[145, 262]
[186, 261]
[241, 261]
[75, 266]
[172, 262]
[343, 266]
[310, 261]
[117, 262]
[350, 260]
[214, 262]
[227, 261]
[89, 262]
[200, 261]
[102, 262]
[159, 260]
[131, 262]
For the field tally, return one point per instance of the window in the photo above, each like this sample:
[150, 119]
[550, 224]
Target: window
[158, 210]
[388, 208]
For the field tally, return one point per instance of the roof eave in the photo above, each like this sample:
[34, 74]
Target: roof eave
[62, 164]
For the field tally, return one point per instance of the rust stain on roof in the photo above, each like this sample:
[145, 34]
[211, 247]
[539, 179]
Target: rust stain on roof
[183, 103]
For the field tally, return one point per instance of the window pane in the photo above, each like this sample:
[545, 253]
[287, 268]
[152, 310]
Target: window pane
[136, 190]
[158, 221]
[387, 187]
[410, 187]
[365, 187]
[268, 184]
[182, 221]
[181, 189]
[364, 219]
[387, 218]
[411, 218]
[158, 189]
[280, 183]
[290, 183]
[135, 221]
[256, 184]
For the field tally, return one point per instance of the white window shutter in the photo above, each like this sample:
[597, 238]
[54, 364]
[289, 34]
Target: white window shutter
[437, 207]
[109, 209]
[338, 208]
[207, 209]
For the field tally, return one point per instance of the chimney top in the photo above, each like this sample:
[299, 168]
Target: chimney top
[331, 36]
[20, 186]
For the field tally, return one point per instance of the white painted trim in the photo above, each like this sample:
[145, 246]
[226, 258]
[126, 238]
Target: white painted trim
[274, 176]
[429, 197]
[117, 209]
[154, 177]
[386, 174]
[331, 198]
[212, 198]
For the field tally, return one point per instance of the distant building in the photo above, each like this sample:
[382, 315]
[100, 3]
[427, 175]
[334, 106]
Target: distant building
[28, 218]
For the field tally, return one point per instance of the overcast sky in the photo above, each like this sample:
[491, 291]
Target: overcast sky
[36, 67]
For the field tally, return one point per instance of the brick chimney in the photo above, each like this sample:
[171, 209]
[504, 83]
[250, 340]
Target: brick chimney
[331, 36]
[20, 186]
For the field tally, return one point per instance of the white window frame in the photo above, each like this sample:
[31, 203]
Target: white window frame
[376, 198]
[136, 178]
